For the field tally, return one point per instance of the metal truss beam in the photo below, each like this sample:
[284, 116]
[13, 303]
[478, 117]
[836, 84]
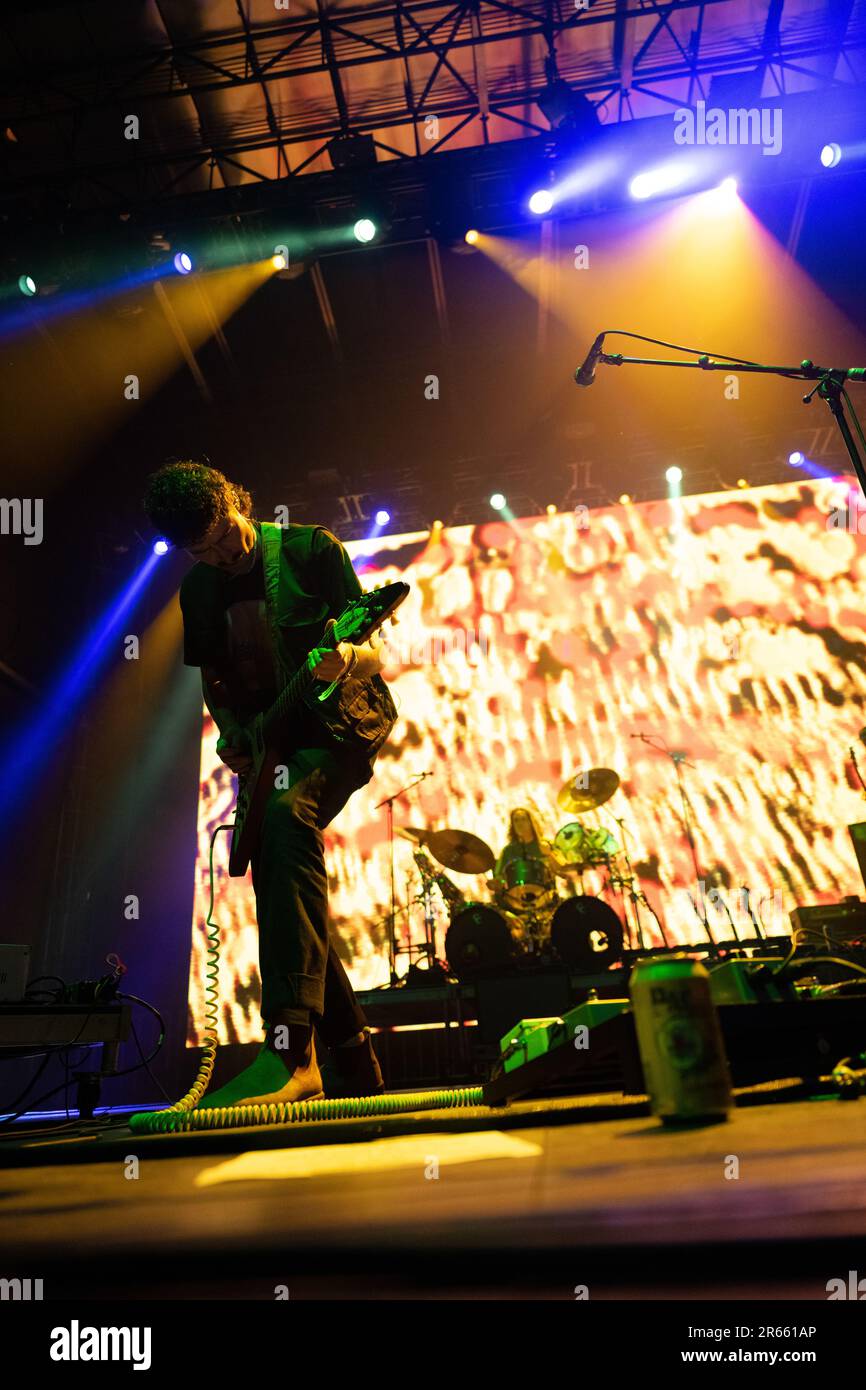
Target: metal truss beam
[385, 33]
[60, 96]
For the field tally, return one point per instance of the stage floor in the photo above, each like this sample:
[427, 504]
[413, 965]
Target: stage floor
[531, 1205]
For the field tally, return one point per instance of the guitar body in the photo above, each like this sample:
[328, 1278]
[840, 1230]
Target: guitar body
[344, 712]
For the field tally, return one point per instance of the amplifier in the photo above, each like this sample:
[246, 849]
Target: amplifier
[845, 920]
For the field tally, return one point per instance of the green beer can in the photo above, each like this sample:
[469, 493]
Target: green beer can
[679, 1039]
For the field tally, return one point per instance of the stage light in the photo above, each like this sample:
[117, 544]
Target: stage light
[551, 509]
[161, 547]
[382, 517]
[741, 482]
[27, 285]
[31, 746]
[624, 499]
[279, 261]
[541, 201]
[674, 474]
[830, 156]
[352, 151]
[662, 180]
[182, 263]
[471, 236]
[796, 458]
[497, 501]
[364, 229]
[564, 108]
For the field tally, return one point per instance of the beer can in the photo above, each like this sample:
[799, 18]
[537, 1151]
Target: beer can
[679, 1039]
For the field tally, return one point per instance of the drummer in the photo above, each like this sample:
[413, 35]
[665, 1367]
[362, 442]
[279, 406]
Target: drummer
[524, 843]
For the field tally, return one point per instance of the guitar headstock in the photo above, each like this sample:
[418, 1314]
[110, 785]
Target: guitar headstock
[368, 612]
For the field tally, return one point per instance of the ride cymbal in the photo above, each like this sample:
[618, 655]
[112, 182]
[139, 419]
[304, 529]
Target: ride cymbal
[588, 789]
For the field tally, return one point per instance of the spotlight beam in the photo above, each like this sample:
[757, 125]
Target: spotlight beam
[31, 746]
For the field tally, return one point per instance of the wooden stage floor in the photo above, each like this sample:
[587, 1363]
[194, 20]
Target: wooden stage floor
[530, 1205]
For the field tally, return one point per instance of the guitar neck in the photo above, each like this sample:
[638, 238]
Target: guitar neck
[360, 618]
[293, 692]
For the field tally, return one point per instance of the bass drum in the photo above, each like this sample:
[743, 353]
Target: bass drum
[586, 934]
[479, 937]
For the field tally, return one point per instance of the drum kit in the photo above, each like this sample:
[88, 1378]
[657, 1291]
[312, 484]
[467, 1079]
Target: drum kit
[538, 906]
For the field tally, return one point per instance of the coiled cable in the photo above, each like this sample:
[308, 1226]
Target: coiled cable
[183, 1116]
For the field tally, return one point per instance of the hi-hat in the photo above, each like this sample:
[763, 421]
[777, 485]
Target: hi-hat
[588, 789]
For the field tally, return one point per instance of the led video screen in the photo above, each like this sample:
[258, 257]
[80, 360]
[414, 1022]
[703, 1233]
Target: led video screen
[710, 650]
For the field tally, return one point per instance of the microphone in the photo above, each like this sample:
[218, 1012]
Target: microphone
[585, 375]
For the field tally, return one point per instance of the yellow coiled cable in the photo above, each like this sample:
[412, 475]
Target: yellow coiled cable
[183, 1116]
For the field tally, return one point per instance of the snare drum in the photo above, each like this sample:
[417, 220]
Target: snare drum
[526, 884]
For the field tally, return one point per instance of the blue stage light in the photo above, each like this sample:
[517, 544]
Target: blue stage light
[830, 156]
[541, 201]
[182, 263]
[382, 517]
[30, 746]
[796, 458]
[655, 181]
[161, 547]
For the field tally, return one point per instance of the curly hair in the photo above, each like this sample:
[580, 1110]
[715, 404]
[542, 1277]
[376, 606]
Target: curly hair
[184, 499]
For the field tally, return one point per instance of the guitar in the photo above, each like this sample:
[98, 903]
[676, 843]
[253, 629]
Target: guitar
[265, 732]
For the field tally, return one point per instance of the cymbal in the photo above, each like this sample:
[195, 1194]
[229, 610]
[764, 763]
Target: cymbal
[409, 832]
[460, 851]
[588, 789]
[582, 846]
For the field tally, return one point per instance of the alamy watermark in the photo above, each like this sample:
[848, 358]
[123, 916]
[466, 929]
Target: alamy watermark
[733, 126]
[434, 645]
[20, 1290]
[761, 910]
[22, 516]
[851, 517]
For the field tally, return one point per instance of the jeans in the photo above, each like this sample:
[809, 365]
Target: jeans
[302, 975]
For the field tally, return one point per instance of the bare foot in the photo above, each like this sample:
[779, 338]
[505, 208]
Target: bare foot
[272, 1079]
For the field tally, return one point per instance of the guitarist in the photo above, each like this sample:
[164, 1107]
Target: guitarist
[255, 603]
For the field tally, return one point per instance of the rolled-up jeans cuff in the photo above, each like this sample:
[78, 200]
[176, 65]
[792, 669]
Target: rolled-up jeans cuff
[303, 993]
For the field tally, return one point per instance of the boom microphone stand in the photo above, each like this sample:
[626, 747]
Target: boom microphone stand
[829, 381]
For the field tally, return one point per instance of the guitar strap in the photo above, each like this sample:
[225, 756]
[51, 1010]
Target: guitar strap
[272, 549]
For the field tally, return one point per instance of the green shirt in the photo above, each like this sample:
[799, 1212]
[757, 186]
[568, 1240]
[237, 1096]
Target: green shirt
[225, 625]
